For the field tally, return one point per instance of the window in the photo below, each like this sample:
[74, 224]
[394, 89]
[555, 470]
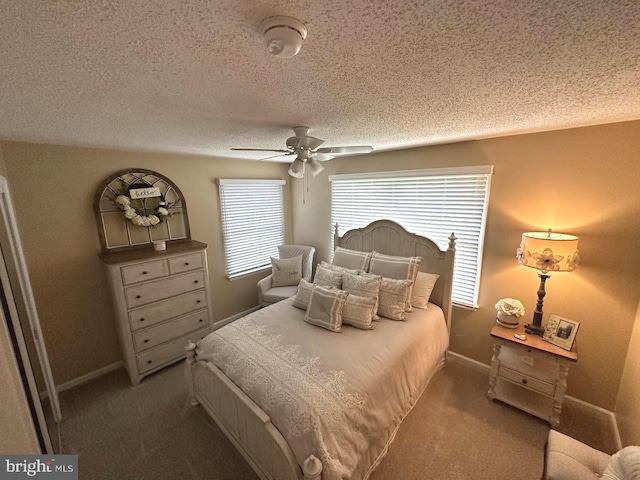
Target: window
[252, 224]
[432, 203]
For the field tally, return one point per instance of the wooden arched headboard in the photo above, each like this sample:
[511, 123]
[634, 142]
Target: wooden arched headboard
[390, 238]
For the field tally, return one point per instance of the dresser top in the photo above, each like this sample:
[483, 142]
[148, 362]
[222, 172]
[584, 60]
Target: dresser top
[148, 253]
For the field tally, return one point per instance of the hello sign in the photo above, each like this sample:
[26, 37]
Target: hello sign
[147, 192]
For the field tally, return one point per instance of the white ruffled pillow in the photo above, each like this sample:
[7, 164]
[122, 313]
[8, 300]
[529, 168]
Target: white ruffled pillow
[624, 465]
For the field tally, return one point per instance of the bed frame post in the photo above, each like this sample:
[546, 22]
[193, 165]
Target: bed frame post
[191, 360]
[450, 255]
[312, 468]
[336, 235]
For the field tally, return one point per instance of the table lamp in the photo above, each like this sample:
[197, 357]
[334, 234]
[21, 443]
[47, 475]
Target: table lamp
[546, 252]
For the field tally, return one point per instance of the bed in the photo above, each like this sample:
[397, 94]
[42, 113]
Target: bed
[303, 402]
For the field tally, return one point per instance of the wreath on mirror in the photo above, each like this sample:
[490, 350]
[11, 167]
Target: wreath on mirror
[158, 214]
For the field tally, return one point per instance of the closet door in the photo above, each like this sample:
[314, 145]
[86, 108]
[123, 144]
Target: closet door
[16, 287]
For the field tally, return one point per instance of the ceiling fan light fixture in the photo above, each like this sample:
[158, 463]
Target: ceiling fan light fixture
[283, 36]
[314, 167]
[296, 170]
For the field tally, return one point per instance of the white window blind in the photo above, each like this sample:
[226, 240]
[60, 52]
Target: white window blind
[432, 203]
[252, 223]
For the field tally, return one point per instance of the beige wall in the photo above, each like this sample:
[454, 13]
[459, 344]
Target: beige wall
[628, 404]
[53, 189]
[581, 181]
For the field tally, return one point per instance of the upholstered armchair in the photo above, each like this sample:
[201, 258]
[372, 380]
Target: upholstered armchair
[267, 293]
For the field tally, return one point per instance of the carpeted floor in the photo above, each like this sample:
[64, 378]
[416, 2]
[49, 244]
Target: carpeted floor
[454, 432]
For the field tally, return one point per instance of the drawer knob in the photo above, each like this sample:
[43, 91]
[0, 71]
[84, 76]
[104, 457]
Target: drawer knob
[524, 381]
[146, 341]
[149, 361]
[138, 296]
[196, 281]
[198, 301]
[142, 319]
[186, 263]
[144, 273]
[201, 320]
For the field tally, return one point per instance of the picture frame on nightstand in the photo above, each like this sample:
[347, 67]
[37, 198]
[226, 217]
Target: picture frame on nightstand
[560, 331]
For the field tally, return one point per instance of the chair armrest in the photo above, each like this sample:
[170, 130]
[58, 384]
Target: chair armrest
[263, 285]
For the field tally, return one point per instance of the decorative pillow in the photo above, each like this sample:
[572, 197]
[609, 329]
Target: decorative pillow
[286, 271]
[365, 285]
[399, 268]
[358, 311]
[393, 298]
[422, 289]
[336, 268]
[301, 300]
[325, 308]
[624, 465]
[327, 278]
[343, 257]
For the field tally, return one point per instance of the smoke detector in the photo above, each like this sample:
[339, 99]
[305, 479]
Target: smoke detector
[283, 36]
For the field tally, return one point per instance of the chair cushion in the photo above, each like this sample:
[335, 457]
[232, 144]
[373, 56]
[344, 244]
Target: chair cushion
[569, 459]
[276, 294]
[286, 271]
[624, 465]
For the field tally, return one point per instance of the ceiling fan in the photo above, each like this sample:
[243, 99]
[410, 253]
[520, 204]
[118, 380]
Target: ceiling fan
[308, 155]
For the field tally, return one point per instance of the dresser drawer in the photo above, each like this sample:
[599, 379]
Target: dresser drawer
[144, 271]
[526, 380]
[159, 290]
[185, 263]
[164, 310]
[150, 337]
[164, 354]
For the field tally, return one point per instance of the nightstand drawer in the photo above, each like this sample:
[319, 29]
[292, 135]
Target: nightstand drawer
[151, 337]
[529, 362]
[160, 356]
[154, 291]
[151, 314]
[144, 272]
[185, 263]
[527, 381]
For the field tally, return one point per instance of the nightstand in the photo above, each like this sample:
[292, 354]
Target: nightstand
[530, 375]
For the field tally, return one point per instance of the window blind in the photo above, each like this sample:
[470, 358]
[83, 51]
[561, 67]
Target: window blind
[432, 203]
[252, 223]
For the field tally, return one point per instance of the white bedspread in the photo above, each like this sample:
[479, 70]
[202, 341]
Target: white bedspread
[338, 396]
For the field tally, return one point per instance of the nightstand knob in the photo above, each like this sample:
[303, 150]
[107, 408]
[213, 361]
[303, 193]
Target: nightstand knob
[142, 319]
[149, 361]
[144, 273]
[138, 296]
[196, 281]
[186, 263]
[201, 320]
[198, 301]
[146, 341]
[524, 381]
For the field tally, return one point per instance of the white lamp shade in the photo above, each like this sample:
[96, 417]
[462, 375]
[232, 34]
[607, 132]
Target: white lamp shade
[314, 167]
[296, 169]
[549, 251]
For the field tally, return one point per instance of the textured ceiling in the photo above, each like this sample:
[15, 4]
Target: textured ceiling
[192, 76]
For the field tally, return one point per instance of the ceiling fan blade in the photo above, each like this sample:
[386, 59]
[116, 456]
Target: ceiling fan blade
[276, 156]
[346, 150]
[262, 150]
[310, 143]
[321, 157]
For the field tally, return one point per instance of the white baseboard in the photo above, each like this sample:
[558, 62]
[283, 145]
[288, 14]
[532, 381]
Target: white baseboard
[596, 411]
[85, 378]
[223, 322]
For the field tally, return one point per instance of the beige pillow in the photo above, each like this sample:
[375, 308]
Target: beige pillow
[422, 289]
[336, 268]
[286, 271]
[365, 285]
[325, 308]
[301, 300]
[393, 298]
[399, 268]
[358, 311]
[343, 257]
[327, 278]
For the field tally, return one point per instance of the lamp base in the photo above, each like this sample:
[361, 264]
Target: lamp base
[534, 329]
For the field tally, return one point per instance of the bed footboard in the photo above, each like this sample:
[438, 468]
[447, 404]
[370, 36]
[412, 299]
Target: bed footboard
[245, 424]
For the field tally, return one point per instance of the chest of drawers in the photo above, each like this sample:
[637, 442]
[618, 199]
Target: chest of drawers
[160, 300]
